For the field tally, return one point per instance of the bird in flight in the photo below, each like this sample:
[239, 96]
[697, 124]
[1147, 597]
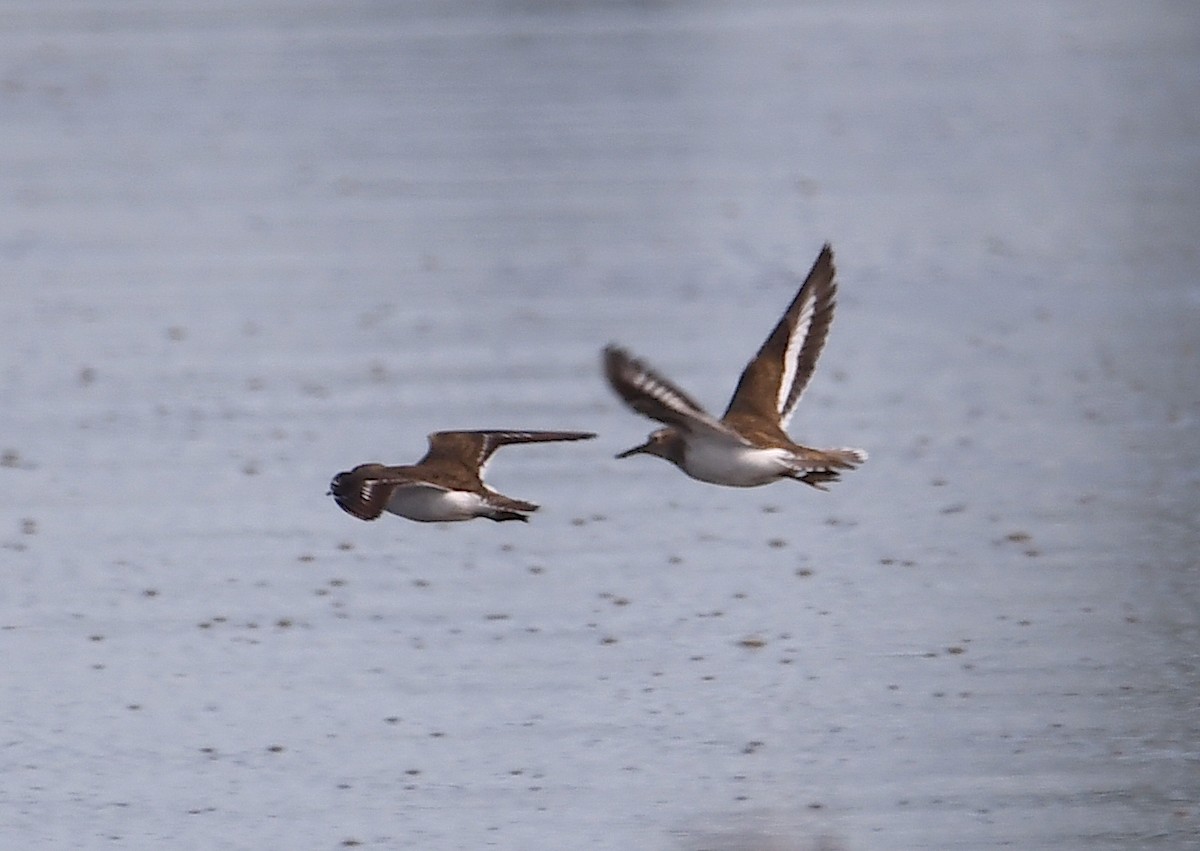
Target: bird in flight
[749, 445]
[447, 484]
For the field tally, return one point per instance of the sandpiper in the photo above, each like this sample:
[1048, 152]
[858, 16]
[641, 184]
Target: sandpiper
[749, 445]
[447, 484]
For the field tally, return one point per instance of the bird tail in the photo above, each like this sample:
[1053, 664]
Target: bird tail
[501, 516]
[506, 508]
[824, 466]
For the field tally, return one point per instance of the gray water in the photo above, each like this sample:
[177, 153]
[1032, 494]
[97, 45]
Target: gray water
[251, 244]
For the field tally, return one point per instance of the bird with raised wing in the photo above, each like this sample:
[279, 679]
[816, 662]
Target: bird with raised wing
[749, 445]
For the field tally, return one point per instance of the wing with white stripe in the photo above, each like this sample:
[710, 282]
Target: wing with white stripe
[648, 393]
[773, 382]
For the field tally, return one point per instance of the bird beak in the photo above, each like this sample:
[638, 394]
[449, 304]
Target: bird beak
[637, 450]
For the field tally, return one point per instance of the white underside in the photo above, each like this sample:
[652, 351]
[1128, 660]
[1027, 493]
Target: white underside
[719, 463]
[435, 505]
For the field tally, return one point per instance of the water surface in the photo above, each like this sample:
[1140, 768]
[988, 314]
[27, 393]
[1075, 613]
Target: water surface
[250, 245]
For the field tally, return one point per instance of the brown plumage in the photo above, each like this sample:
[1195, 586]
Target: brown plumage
[749, 445]
[446, 484]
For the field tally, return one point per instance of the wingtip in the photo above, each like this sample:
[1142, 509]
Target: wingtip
[576, 435]
[613, 355]
[616, 360]
[571, 435]
[825, 256]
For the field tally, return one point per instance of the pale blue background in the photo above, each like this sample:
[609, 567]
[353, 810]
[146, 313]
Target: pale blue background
[247, 245]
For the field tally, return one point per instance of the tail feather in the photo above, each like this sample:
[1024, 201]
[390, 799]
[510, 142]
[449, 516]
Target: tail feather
[847, 457]
[501, 516]
[506, 508]
[823, 467]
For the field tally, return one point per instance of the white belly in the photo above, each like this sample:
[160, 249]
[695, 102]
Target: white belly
[434, 505]
[738, 467]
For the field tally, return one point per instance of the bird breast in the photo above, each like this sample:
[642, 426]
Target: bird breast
[739, 467]
[434, 505]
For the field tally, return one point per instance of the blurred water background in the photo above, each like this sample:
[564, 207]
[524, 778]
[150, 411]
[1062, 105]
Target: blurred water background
[250, 244]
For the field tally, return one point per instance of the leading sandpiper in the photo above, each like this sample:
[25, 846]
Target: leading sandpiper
[447, 484]
[748, 446]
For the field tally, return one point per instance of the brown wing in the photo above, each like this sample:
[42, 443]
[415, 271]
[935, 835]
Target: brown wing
[648, 393]
[774, 380]
[471, 450]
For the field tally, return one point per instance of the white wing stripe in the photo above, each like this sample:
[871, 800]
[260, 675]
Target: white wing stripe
[791, 358]
[646, 383]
